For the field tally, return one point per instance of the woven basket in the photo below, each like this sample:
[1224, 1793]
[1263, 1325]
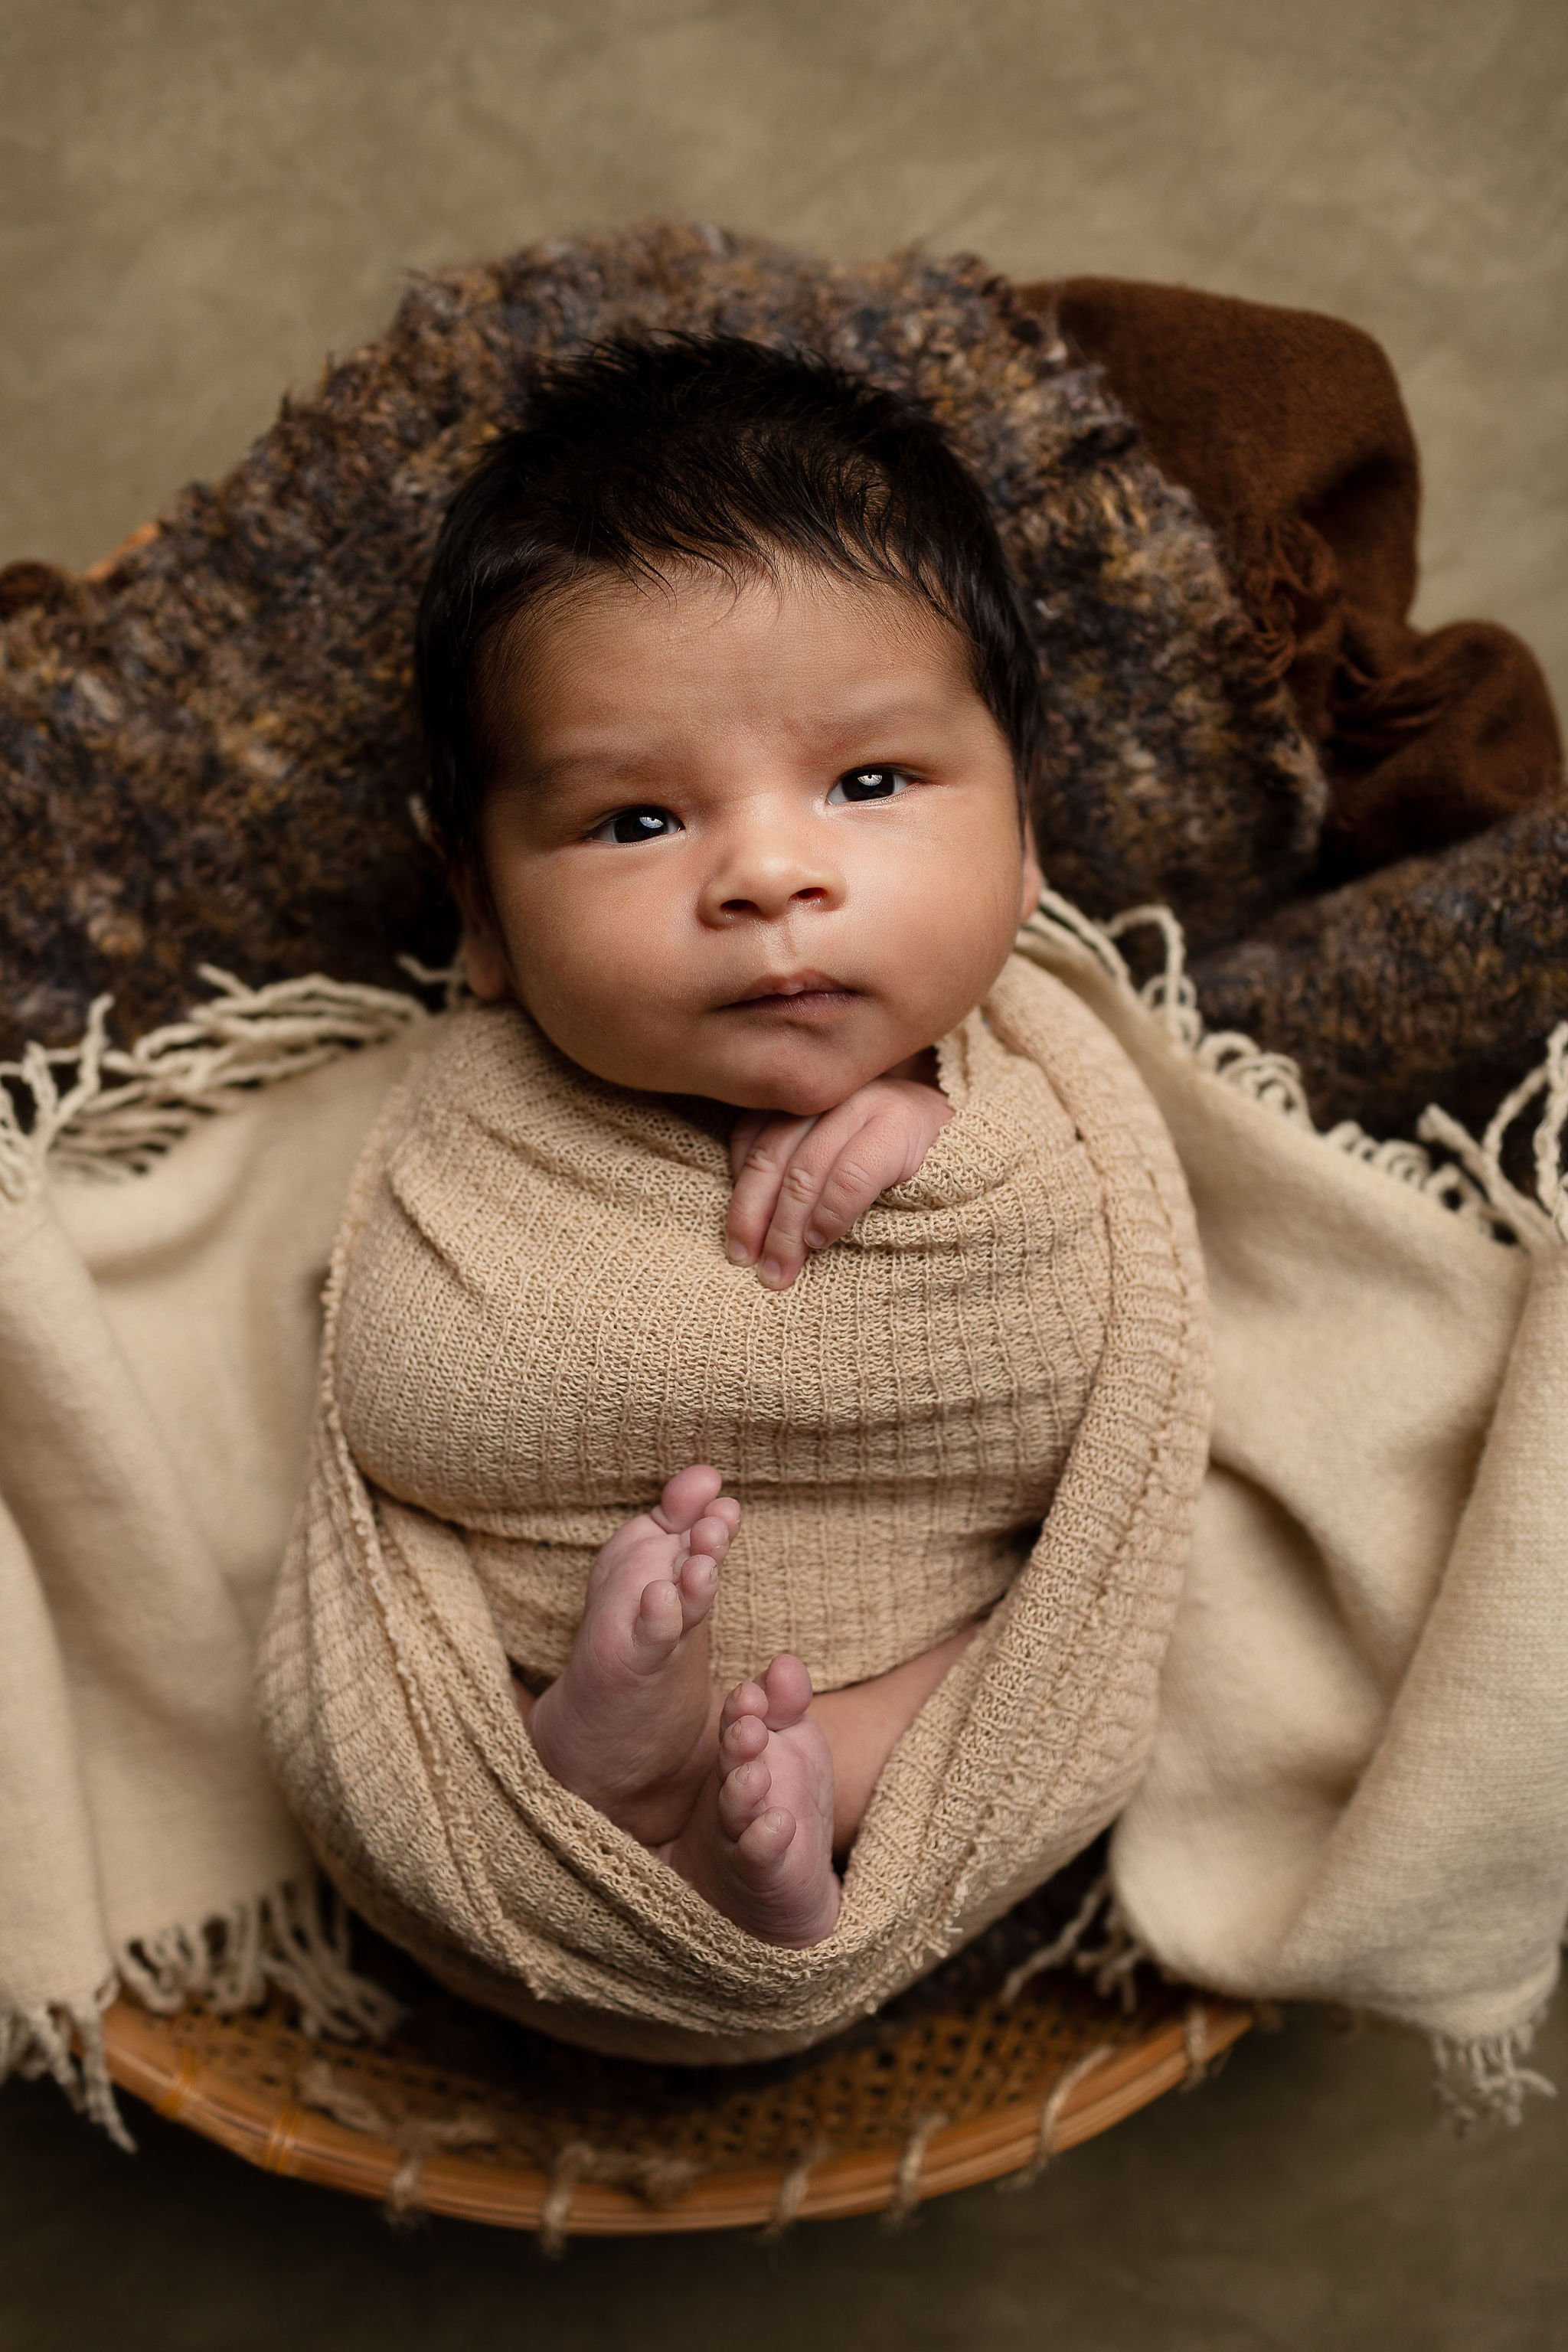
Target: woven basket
[970, 2075]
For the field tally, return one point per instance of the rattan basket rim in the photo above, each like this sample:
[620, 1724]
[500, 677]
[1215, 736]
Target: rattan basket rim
[147, 2059]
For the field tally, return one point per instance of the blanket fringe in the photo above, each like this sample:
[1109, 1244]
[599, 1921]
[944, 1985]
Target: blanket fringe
[1483, 2081]
[1469, 1180]
[792, 2186]
[64, 2039]
[1111, 1964]
[103, 1110]
[661, 2179]
[1096, 1905]
[295, 1939]
[900, 2209]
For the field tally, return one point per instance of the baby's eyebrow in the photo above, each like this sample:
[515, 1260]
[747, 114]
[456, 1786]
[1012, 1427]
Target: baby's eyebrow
[848, 730]
[874, 715]
[593, 764]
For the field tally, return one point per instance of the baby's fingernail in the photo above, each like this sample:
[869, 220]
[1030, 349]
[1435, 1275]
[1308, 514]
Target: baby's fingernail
[813, 1241]
[771, 1272]
[737, 1253]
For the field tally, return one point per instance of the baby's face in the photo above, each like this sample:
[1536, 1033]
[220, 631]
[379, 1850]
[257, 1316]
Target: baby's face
[761, 845]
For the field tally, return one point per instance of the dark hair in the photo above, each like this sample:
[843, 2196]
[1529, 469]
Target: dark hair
[651, 453]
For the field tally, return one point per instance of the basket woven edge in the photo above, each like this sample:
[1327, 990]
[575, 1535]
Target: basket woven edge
[278, 2135]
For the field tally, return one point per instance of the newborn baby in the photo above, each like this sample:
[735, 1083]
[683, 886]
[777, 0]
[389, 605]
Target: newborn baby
[759, 1146]
[737, 817]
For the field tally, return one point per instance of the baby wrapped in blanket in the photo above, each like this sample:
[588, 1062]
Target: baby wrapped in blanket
[761, 1148]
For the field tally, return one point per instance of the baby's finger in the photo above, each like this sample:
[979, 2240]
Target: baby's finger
[743, 1134]
[874, 1157]
[877, 1139]
[887, 1147]
[785, 1247]
[757, 1185]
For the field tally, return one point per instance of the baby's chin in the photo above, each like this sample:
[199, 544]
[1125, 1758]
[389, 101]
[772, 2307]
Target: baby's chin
[800, 1077]
[799, 1089]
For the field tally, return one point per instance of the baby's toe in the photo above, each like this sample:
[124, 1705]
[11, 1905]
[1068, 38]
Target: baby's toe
[696, 1584]
[787, 1689]
[746, 1698]
[687, 1497]
[742, 1794]
[711, 1535]
[659, 1622]
[739, 1742]
[764, 1841]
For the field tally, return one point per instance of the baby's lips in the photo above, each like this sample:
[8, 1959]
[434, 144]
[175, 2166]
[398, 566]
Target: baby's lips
[804, 981]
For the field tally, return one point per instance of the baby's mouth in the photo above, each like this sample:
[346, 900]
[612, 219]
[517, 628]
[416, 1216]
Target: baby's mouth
[793, 994]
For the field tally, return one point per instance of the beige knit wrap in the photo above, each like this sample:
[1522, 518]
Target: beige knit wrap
[992, 1397]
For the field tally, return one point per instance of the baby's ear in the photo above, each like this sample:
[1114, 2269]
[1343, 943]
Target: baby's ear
[1032, 881]
[484, 958]
[484, 968]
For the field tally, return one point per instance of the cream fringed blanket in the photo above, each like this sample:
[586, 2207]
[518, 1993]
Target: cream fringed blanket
[1358, 1787]
[531, 1322]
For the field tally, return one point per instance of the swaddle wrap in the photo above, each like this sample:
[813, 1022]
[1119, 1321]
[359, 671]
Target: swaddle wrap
[539, 1323]
[531, 1322]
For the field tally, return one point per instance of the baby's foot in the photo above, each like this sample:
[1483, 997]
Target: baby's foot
[759, 1846]
[629, 1722]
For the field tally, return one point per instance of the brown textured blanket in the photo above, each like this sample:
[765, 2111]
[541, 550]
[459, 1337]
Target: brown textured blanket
[1436, 976]
[1289, 429]
[207, 749]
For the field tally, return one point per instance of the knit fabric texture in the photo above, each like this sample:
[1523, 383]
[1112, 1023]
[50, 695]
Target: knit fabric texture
[539, 1323]
[994, 1391]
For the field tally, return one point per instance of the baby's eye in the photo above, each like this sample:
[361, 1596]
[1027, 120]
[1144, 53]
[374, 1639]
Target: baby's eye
[636, 824]
[868, 784]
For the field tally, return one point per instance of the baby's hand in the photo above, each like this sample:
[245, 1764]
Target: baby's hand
[800, 1183]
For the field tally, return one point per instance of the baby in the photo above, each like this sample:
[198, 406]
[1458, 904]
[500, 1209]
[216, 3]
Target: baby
[732, 711]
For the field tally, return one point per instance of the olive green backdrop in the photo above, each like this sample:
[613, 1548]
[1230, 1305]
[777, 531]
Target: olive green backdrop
[197, 203]
[200, 198]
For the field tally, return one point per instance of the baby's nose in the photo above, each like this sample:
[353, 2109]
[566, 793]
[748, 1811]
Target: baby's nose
[769, 880]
